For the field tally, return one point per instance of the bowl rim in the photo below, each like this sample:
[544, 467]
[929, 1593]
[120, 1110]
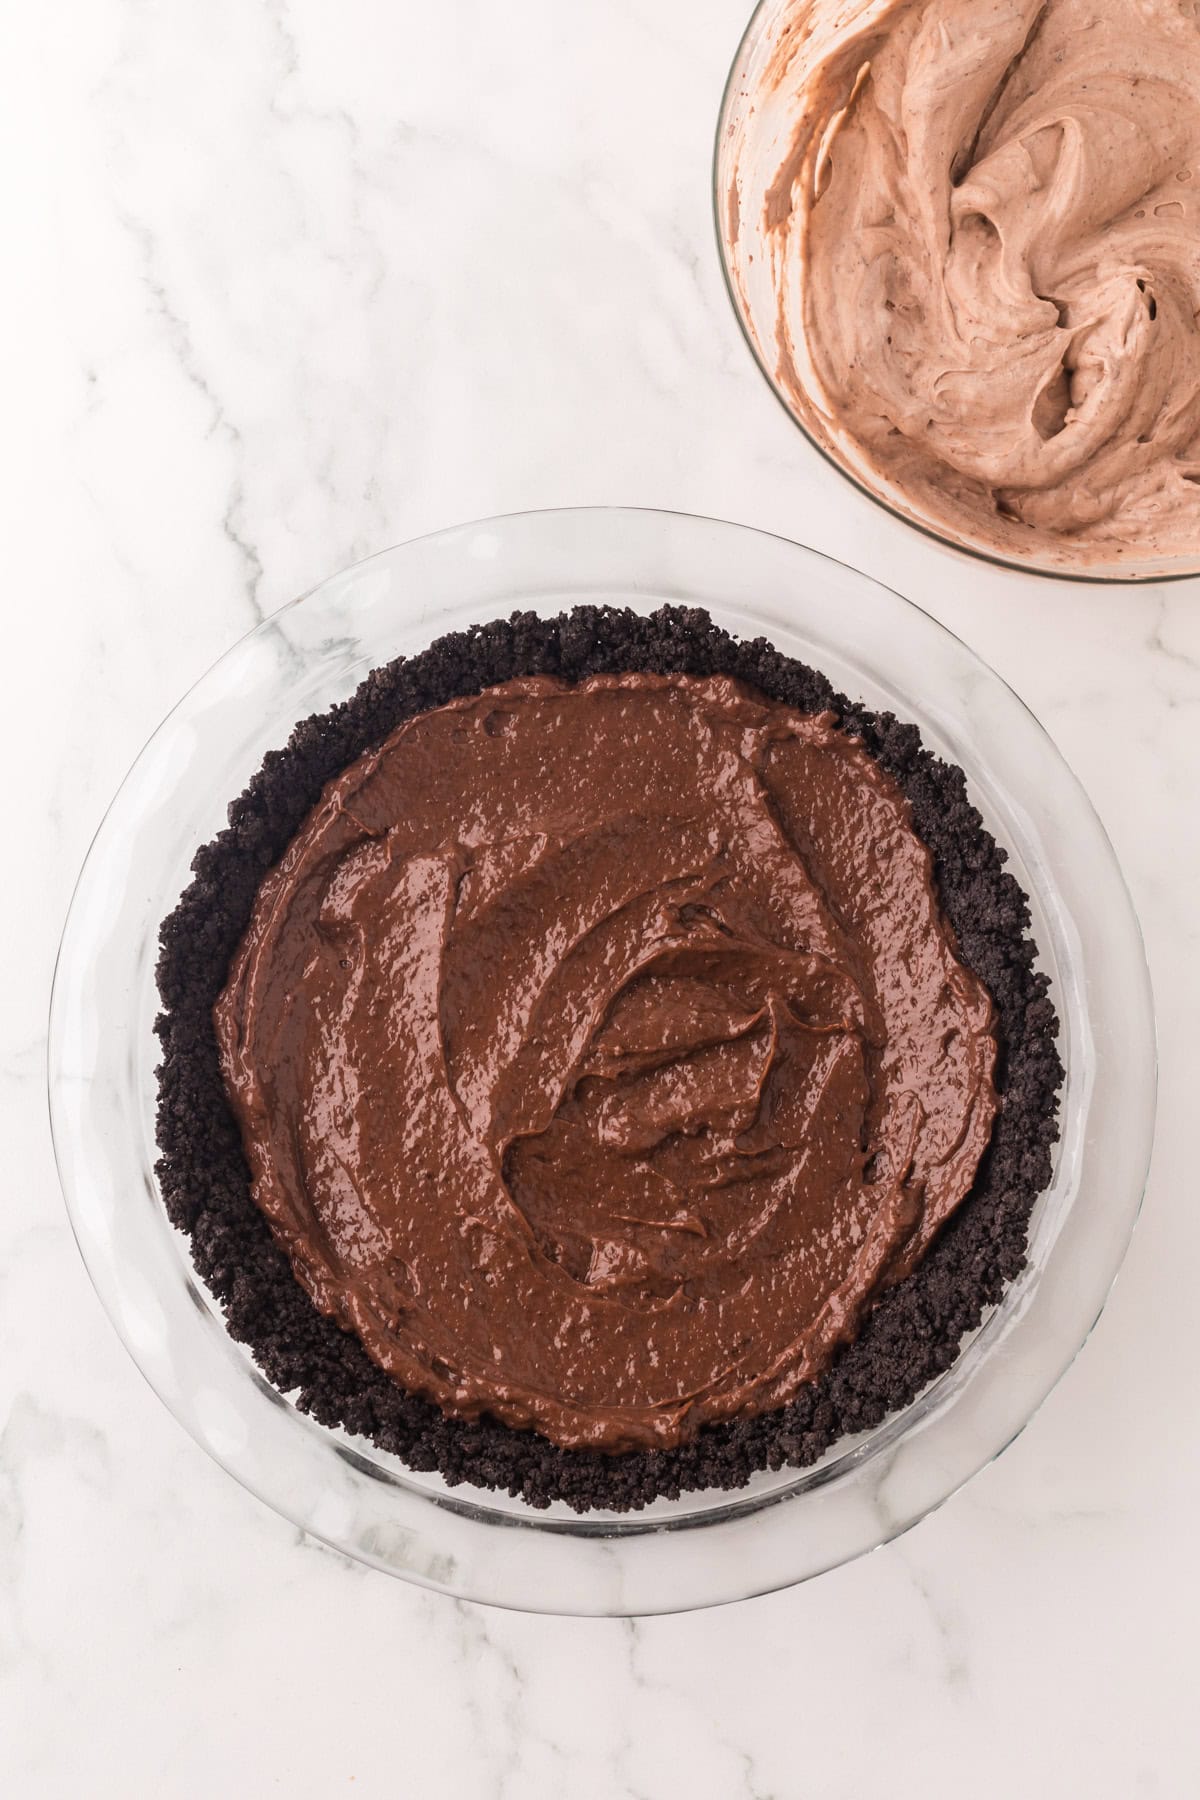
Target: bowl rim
[843, 1458]
[1079, 577]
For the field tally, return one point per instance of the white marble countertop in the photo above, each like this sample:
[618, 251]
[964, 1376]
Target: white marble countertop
[292, 282]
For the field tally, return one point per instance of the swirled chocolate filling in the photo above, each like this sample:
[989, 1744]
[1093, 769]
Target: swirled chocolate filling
[601, 1051]
[982, 228]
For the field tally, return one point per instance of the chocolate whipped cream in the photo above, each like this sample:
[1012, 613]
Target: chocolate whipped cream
[601, 1051]
[983, 229]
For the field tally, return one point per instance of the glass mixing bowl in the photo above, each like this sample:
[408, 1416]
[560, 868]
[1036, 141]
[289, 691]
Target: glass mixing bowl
[706, 1547]
[755, 126]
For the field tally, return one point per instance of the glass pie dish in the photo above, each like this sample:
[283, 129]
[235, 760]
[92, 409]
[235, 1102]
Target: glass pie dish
[708, 1547]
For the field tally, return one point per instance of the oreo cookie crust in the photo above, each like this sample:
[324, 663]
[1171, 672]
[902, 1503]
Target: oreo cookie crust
[915, 1329]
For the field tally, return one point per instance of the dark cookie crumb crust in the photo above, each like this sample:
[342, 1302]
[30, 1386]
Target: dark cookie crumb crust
[913, 1333]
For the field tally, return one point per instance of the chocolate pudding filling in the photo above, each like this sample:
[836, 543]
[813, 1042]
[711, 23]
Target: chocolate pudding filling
[601, 1061]
[599, 1052]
